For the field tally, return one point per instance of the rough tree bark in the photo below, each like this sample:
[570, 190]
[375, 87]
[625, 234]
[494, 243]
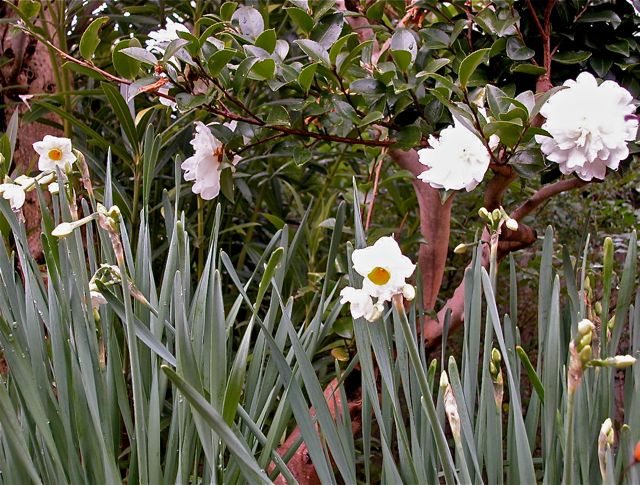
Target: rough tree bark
[29, 72]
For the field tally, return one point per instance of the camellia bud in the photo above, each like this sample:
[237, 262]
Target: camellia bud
[512, 224]
[409, 292]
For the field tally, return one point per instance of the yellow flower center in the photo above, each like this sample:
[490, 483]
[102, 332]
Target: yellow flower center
[379, 276]
[55, 154]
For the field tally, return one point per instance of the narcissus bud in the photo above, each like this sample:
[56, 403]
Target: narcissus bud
[409, 292]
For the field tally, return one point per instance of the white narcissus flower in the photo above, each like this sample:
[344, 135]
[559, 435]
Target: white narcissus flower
[159, 39]
[384, 268]
[588, 126]
[360, 301]
[14, 193]
[204, 165]
[54, 152]
[456, 160]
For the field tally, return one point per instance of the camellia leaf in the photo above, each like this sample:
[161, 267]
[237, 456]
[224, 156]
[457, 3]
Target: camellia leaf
[267, 40]
[328, 30]
[508, 132]
[265, 69]
[227, 9]
[517, 51]
[90, 38]
[219, 60]
[125, 65]
[469, 64]
[141, 55]
[409, 137]
[305, 78]
[29, 8]
[403, 40]
[529, 69]
[314, 50]
[249, 21]
[571, 57]
[301, 18]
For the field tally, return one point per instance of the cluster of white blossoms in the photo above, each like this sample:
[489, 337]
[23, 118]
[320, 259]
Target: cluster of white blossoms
[205, 165]
[385, 270]
[54, 152]
[589, 126]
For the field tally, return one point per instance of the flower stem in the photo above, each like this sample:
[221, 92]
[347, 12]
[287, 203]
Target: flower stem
[567, 475]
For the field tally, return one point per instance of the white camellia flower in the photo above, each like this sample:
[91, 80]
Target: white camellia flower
[360, 301]
[14, 193]
[457, 159]
[54, 152]
[384, 268]
[204, 165]
[588, 126]
[159, 39]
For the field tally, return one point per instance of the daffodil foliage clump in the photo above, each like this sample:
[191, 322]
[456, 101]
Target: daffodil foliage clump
[277, 242]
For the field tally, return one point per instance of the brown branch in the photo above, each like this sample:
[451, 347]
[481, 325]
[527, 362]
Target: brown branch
[497, 186]
[435, 220]
[510, 241]
[545, 193]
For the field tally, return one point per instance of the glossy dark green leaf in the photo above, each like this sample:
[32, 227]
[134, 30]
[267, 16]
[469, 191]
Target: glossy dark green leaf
[328, 30]
[29, 8]
[267, 40]
[227, 9]
[91, 37]
[517, 51]
[314, 50]
[571, 57]
[219, 60]
[301, 18]
[469, 64]
[264, 69]
[409, 137]
[508, 132]
[367, 86]
[140, 54]
[593, 16]
[305, 78]
[528, 69]
[376, 10]
[125, 65]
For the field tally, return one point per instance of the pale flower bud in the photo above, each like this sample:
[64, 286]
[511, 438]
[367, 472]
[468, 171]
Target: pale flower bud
[483, 213]
[444, 380]
[607, 430]
[512, 224]
[585, 326]
[620, 361]
[63, 229]
[54, 188]
[409, 292]
[460, 249]
[496, 215]
[375, 313]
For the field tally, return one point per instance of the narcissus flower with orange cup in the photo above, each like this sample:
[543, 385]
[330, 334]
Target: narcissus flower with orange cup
[384, 268]
[54, 152]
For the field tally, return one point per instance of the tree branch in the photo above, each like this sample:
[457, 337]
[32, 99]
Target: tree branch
[435, 224]
[544, 194]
